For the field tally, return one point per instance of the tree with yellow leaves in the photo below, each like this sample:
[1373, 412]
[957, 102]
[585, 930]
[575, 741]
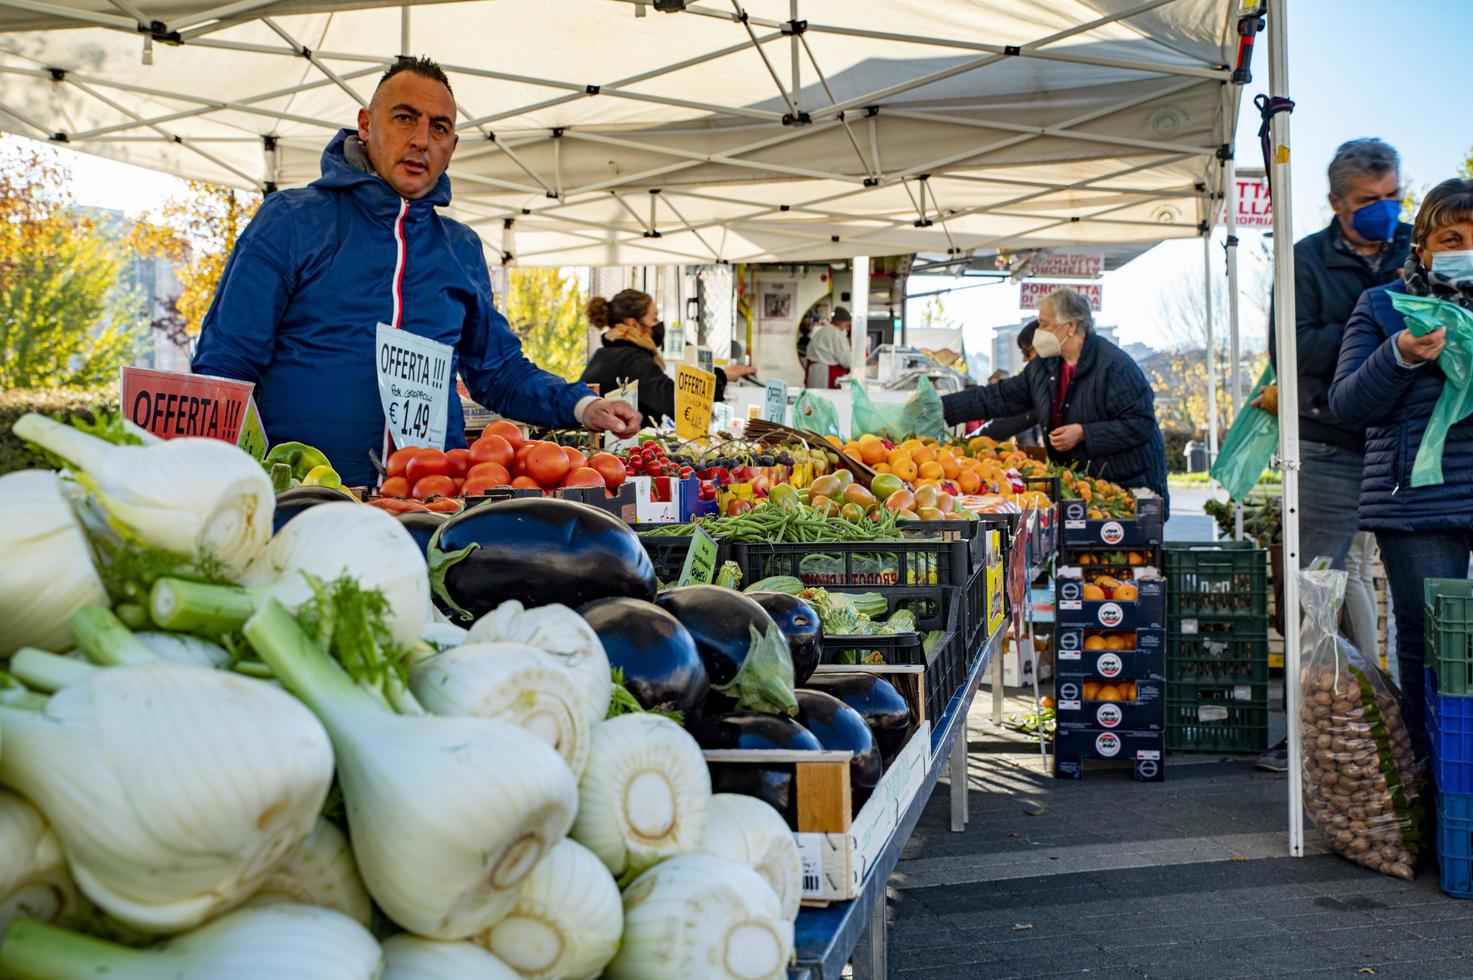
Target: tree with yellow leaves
[545, 309]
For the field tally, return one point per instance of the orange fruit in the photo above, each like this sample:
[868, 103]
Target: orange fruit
[903, 466]
[1091, 690]
[1094, 593]
[1107, 582]
[949, 466]
[924, 454]
[1095, 642]
[1126, 593]
[1127, 690]
[872, 452]
[931, 470]
[1045, 702]
[883, 468]
[1128, 639]
[969, 482]
[1114, 643]
[1109, 693]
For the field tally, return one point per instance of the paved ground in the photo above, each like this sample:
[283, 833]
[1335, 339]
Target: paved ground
[1106, 878]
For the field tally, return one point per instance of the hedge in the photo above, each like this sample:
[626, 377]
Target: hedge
[57, 402]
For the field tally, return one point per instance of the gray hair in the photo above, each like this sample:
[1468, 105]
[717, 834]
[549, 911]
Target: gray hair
[1066, 304]
[1361, 158]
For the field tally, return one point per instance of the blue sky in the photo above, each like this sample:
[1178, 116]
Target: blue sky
[1402, 72]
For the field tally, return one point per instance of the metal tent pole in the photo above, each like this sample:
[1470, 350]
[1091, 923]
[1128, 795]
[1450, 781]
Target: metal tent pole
[859, 334]
[1235, 353]
[1211, 343]
[1288, 364]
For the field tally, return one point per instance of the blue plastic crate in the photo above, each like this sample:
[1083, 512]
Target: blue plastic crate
[1450, 738]
[1455, 843]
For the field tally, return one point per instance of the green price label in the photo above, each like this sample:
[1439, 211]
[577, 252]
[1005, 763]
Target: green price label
[252, 434]
[700, 561]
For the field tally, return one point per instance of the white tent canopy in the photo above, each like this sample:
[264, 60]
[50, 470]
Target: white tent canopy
[604, 132]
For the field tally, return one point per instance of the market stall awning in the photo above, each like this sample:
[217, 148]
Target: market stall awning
[605, 132]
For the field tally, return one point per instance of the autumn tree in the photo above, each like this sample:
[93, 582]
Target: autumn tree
[545, 309]
[196, 233]
[64, 319]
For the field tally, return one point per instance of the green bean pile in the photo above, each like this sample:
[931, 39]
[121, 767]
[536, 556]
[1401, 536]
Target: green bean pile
[792, 523]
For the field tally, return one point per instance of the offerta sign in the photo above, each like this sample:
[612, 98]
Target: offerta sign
[169, 404]
[695, 391]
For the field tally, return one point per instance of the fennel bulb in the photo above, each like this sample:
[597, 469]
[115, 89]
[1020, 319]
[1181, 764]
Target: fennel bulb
[749, 831]
[181, 648]
[296, 941]
[47, 573]
[409, 957]
[321, 871]
[564, 636]
[442, 636]
[512, 682]
[446, 815]
[364, 543]
[698, 915]
[200, 498]
[644, 794]
[174, 790]
[33, 876]
[567, 920]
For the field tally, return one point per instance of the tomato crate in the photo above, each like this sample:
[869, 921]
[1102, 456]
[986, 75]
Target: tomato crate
[1450, 737]
[1221, 580]
[1199, 652]
[936, 609]
[1455, 843]
[668, 552]
[621, 504]
[1143, 660]
[1144, 750]
[1144, 531]
[1143, 711]
[1449, 625]
[1147, 611]
[1216, 717]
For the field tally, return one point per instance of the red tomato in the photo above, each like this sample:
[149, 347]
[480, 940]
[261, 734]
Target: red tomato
[506, 430]
[492, 474]
[460, 461]
[396, 506]
[435, 485]
[548, 464]
[477, 485]
[492, 449]
[519, 463]
[584, 476]
[400, 458]
[525, 483]
[610, 467]
[427, 462]
[395, 486]
[737, 506]
[444, 505]
[575, 457]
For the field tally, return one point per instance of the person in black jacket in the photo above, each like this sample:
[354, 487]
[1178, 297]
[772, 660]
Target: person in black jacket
[1099, 409]
[633, 335]
[1024, 427]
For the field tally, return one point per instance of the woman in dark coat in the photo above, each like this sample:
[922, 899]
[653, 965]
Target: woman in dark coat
[1388, 380]
[632, 337]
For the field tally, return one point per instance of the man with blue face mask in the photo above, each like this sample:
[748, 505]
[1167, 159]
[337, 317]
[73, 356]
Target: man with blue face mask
[1364, 246]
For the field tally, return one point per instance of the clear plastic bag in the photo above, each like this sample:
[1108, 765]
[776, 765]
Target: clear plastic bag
[923, 415]
[814, 413]
[1249, 446]
[1364, 785]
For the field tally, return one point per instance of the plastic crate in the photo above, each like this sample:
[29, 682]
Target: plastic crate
[1144, 750]
[1455, 843]
[1216, 717]
[1080, 531]
[667, 553]
[1449, 627]
[857, 564]
[1450, 738]
[1223, 580]
[1217, 652]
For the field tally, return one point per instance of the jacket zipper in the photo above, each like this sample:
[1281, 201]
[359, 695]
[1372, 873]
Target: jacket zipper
[399, 253]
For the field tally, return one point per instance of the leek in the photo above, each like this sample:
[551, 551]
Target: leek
[321, 871]
[698, 915]
[748, 831]
[412, 958]
[567, 920]
[202, 499]
[446, 815]
[174, 790]
[296, 941]
[48, 571]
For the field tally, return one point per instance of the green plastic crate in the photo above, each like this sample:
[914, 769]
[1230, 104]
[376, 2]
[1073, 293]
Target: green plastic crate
[1216, 717]
[1224, 653]
[1449, 625]
[1224, 580]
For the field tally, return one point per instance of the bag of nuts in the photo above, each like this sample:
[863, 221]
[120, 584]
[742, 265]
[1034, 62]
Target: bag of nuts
[1364, 784]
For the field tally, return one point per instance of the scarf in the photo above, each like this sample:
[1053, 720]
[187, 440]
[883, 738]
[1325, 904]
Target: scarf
[636, 337]
[1422, 281]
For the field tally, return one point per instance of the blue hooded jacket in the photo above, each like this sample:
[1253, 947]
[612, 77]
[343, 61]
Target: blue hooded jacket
[318, 269]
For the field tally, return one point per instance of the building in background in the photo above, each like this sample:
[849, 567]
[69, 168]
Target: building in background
[153, 283]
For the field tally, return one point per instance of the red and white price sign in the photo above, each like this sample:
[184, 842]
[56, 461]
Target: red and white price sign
[170, 404]
[1255, 207]
[1031, 292]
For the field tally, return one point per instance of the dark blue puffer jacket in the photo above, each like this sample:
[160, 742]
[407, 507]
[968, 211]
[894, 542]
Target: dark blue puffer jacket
[1394, 403]
[1109, 396]
[315, 272]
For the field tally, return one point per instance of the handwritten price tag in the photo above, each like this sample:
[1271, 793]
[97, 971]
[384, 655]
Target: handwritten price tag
[629, 395]
[695, 391]
[775, 409]
[414, 384]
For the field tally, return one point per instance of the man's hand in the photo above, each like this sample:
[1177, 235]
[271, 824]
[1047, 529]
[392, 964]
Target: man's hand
[1415, 350]
[606, 415]
[1267, 399]
[734, 371]
[1066, 437]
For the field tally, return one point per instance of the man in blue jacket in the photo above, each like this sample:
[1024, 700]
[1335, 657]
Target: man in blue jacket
[320, 267]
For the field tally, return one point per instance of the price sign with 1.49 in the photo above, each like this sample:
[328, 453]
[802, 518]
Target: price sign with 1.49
[414, 384]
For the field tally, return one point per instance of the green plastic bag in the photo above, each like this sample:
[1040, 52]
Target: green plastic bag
[814, 413]
[1249, 446]
[1425, 314]
[922, 416]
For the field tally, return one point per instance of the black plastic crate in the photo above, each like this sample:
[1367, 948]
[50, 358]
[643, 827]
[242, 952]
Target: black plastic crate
[857, 564]
[973, 533]
[1222, 580]
[1082, 531]
[668, 552]
[1145, 752]
[1217, 653]
[1216, 717]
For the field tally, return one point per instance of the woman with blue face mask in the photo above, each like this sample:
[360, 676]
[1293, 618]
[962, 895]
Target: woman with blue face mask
[1388, 380]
